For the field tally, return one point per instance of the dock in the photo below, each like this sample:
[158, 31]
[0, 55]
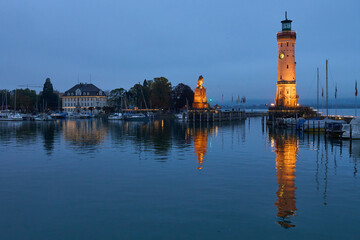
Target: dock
[213, 115]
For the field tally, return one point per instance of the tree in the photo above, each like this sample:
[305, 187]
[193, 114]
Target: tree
[48, 99]
[136, 95]
[160, 93]
[181, 95]
[25, 100]
[115, 97]
[5, 99]
[146, 91]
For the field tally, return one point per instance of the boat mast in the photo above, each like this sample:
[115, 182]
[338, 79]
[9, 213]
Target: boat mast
[327, 90]
[142, 93]
[15, 102]
[317, 90]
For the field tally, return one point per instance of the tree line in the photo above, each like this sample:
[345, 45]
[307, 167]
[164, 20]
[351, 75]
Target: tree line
[26, 100]
[152, 94]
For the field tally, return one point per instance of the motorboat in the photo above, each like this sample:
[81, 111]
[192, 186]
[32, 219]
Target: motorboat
[181, 116]
[116, 116]
[84, 116]
[135, 117]
[42, 117]
[7, 116]
[58, 115]
[351, 130]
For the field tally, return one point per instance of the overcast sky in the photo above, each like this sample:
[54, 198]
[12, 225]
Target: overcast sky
[231, 43]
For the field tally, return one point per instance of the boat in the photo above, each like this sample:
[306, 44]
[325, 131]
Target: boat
[58, 115]
[135, 117]
[116, 116]
[317, 125]
[84, 116]
[289, 122]
[351, 130]
[42, 117]
[334, 129]
[181, 116]
[7, 116]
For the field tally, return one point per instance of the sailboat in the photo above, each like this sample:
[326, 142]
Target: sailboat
[138, 116]
[351, 130]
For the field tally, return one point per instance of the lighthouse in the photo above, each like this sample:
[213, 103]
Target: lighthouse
[286, 82]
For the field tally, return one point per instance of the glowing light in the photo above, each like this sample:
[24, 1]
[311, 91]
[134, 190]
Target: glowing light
[200, 95]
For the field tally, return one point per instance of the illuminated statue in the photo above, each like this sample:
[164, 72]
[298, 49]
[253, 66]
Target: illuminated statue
[200, 101]
[200, 82]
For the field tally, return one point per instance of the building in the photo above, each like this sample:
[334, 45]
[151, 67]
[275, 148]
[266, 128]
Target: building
[83, 97]
[286, 82]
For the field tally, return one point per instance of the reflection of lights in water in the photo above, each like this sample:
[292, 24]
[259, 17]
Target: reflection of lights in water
[200, 145]
[84, 132]
[272, 143]
[286, 153]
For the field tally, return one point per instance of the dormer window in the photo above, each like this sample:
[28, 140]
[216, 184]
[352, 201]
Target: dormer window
[78, 92]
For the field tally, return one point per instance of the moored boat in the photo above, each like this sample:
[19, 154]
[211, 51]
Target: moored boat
[351, 130]
[135, 117]
[116, 116]
[7, 116]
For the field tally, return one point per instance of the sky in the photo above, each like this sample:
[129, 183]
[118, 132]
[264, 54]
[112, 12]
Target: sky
[231, 43]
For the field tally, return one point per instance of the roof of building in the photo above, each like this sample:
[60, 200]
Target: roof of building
[84, 89]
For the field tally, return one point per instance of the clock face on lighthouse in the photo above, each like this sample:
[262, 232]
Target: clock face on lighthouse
[281, 55]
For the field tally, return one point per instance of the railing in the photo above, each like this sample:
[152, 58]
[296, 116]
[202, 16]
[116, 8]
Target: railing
[289, 34]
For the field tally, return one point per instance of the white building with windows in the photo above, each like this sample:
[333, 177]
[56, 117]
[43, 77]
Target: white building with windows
[84, 98]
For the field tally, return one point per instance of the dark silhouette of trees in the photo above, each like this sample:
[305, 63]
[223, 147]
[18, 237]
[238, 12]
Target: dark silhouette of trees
[157, 93]
[48, 99]
[181, 95]
[116, 98]
[25, 100]
[5, 99]
[160, 93]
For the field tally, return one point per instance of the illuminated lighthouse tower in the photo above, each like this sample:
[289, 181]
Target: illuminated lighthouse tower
[286, 82]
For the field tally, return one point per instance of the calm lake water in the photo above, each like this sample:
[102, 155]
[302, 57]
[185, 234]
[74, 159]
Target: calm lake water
[93, 179]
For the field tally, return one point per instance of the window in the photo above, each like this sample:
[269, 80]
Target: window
[280, 44]
[287, 66]
[287, 44]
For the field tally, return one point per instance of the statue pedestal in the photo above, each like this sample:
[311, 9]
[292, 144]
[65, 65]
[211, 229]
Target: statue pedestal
[200, 98]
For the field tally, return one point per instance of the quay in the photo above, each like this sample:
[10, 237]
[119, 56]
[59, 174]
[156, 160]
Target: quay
[213, 115]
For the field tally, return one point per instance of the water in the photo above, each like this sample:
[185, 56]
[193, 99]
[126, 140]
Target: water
[92, 179]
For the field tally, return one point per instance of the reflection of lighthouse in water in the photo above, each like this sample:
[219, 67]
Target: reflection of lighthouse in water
[286, 148]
